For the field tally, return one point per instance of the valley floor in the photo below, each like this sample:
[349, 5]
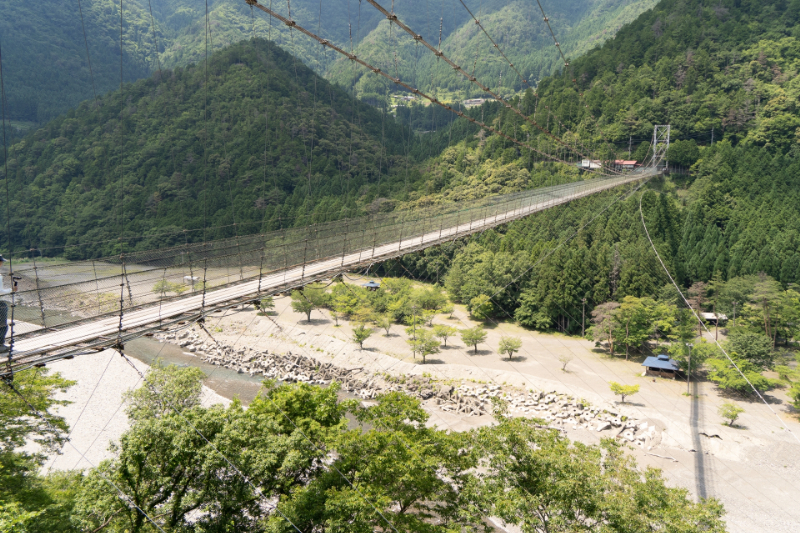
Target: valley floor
[752, 468]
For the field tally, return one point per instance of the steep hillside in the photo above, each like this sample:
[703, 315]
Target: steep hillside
[45, 67]
[47, 70]
[697, 65]
[149, 161]
[517, 27]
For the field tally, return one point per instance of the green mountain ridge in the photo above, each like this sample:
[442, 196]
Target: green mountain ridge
[180, 158]
[516, 27]
[47, 70]
[732, 211]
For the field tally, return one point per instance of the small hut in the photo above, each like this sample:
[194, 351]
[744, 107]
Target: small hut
[662, 366]
[372, 285]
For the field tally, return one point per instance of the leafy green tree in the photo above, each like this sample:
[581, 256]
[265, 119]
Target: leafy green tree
[754, 347]
[766, 297]
[166, 388]
[509, 345]
[448, 309]
[301, 304]
[384, 322]
[632, 324]
[700, 352]
[528, 468]
[481, 307]
[444, 332]
[266, 304]
[361, 333]
[412, 473]
[473, 336]
[424, 344]
[170, 470]
[730, 411]
[727, 377]
[164, 286]
[603, 323]
[794, 394]
[308, 299]
[623, 390]
[28, 501]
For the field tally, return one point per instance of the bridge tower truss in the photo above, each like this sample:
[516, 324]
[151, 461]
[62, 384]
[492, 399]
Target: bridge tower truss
[660, 145]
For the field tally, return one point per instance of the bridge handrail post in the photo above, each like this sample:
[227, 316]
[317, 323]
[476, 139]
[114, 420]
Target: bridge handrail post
[305, 249]
[374, 238]
[344, 241]
[205, 282]
[400, 246]
[121, 297]
[187, 254]
[38, 290]
[261, 269]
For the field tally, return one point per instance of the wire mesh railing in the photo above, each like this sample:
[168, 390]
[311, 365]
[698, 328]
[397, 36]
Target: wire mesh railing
[149, 285]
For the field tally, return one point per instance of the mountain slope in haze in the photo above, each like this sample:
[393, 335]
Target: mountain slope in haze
[149, 160]
[516, 27]
[47, 69]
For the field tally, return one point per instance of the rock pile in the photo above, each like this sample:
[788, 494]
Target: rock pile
[557, 410]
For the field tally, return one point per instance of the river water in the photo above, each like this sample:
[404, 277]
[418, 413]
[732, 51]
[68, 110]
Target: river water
[224, 381]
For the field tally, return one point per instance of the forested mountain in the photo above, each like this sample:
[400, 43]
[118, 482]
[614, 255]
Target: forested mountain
[173, 152]
[696, 64]
[47, 69]
[517, 28]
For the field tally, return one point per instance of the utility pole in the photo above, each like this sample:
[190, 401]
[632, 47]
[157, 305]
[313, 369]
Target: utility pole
[716, 323]
[630, 143]
[583, 318]
[689, 373]
[734, 313]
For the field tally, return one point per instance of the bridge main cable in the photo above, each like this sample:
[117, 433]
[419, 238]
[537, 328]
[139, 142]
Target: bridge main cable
[324, 42]
[393, 18]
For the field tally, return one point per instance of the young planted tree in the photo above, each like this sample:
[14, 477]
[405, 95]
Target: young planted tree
[302, 304]
[444, 332]
[730, 411]
[623, 390]
[163, 286]
[424, 344]
[447, 309]
[308, 299]
[564, 359]
[361, 333]
[509, 345]
[265, 305]
[384, 322]
[473, 336]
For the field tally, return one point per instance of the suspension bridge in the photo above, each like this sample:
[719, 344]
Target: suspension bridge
[92, 305]
[79, 307]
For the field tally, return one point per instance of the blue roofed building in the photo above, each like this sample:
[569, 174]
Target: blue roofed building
[661, 365]
[372, 285]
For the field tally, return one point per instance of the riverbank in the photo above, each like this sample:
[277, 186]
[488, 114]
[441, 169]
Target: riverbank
[96, 416]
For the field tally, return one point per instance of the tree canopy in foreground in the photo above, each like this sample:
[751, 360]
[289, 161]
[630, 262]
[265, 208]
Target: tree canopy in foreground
[384, 470]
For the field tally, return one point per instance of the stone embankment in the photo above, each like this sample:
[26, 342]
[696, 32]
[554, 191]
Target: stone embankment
[559, 411]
